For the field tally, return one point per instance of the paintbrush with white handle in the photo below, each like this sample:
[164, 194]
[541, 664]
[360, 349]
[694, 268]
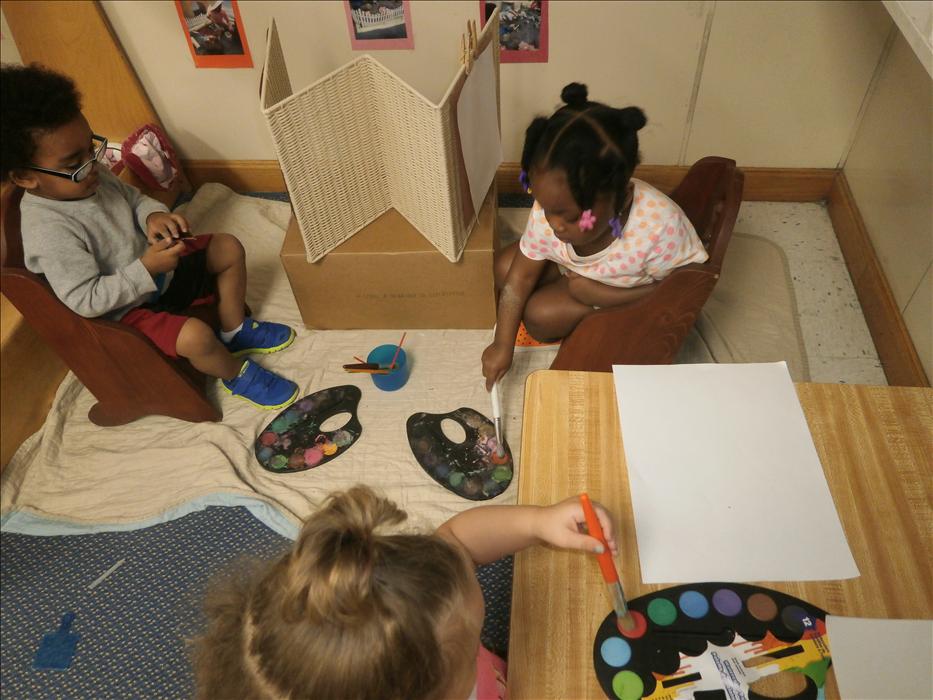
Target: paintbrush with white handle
[497, 419]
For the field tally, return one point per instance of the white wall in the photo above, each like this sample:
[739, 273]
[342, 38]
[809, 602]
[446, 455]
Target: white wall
[781, 83]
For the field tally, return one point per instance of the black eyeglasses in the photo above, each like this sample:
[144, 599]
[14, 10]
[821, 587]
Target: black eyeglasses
[83, 170]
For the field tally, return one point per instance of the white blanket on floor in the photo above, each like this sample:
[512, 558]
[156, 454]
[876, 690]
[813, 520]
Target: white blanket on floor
[76, 472]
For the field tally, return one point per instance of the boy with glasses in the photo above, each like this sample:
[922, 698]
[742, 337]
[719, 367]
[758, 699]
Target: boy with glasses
[108, 250]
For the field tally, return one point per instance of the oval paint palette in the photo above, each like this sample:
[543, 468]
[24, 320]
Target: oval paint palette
[471, 468]
[712, 640]
[294, 441]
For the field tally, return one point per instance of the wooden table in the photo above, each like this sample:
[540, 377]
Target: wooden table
[876, 447]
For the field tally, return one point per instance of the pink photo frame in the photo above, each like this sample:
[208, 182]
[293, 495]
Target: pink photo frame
[523, 29]
[379, 25]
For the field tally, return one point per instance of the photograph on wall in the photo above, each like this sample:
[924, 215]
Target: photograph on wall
[215, 33]
[522, 29]
[379, 24]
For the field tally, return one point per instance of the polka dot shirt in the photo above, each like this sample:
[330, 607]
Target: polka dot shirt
[657, 238]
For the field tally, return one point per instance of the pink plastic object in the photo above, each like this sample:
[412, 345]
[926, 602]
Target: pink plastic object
[113, 158]
[149, 154]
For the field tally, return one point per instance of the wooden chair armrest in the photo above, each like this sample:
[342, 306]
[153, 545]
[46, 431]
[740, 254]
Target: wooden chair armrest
[650, 337]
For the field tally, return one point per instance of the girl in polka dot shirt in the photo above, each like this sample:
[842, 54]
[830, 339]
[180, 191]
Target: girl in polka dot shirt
[596, 237]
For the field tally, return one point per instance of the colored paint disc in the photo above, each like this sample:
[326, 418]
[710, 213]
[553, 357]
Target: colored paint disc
[662, 612]
[727, 602]
[638, 629]
[692, 637]
[762, 606]
[294, 442]
[627, 685]
[694, 604]
[471, 468]
[616, 652]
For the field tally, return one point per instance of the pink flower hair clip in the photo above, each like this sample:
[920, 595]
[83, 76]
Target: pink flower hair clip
[587, 220]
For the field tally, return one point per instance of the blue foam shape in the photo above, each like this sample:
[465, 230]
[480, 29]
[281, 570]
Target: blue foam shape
[57, 649]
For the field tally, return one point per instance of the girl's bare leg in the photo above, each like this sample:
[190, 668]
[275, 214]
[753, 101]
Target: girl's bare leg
[551, 313]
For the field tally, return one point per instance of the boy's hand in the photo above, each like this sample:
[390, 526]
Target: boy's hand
[561, 523]
[497, 359]
[161, 225]
[163, 255]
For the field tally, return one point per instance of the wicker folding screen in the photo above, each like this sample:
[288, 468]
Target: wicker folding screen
[360, 141]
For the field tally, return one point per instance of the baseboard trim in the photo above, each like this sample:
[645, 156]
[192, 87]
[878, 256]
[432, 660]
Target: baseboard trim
[238, 175]
[896, 349]
[761, 184]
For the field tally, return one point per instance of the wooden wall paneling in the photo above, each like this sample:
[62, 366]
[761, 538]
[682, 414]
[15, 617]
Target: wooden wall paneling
[75, 38]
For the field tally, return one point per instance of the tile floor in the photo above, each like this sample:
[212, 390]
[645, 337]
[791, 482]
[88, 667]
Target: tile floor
[838, 345]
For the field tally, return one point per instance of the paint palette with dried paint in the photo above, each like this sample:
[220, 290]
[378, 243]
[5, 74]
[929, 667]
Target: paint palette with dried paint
[714, 640]
[296, 439]
[470, 468]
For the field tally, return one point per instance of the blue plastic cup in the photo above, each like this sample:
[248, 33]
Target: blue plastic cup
[397, 377]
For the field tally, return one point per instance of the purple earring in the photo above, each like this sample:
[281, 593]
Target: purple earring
[523, 180]
[616, 226]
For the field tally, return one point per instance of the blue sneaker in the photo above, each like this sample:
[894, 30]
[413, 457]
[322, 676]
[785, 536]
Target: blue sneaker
[260, 337]
[261, 387]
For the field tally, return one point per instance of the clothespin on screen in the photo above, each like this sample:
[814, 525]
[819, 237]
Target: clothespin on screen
[468, 46]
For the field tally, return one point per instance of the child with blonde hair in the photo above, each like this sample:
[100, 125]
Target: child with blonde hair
[361, 608]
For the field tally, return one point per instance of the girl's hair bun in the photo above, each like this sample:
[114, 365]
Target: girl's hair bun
[574, 95]
[632, 118]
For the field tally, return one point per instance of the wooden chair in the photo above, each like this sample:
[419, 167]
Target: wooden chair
[124, 370]
[651, 330]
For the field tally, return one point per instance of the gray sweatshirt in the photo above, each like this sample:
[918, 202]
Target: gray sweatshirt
[89, 249]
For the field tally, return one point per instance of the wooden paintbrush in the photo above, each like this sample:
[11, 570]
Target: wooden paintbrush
[398, 350]
[367, 368]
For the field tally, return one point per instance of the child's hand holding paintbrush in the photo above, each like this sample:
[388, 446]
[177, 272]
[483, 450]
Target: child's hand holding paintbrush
[563, 525]
[491, 532]
[596, 527]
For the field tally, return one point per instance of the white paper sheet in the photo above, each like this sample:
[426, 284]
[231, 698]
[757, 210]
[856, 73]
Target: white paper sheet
[726, 483]
[882, 658]
[478, 122]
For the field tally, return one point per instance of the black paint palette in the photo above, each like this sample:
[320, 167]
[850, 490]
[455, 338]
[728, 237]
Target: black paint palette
[294, 441]
[711, 641]
[471, 468]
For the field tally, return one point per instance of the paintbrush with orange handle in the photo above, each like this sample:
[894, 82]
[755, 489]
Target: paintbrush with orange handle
[607, 566]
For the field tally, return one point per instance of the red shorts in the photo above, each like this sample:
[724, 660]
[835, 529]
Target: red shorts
[186, 289]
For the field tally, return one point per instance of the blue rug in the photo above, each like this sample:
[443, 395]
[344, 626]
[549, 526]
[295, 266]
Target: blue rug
[134, 624]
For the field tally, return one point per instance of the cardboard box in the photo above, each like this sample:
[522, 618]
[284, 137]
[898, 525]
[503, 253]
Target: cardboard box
[388, 276]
